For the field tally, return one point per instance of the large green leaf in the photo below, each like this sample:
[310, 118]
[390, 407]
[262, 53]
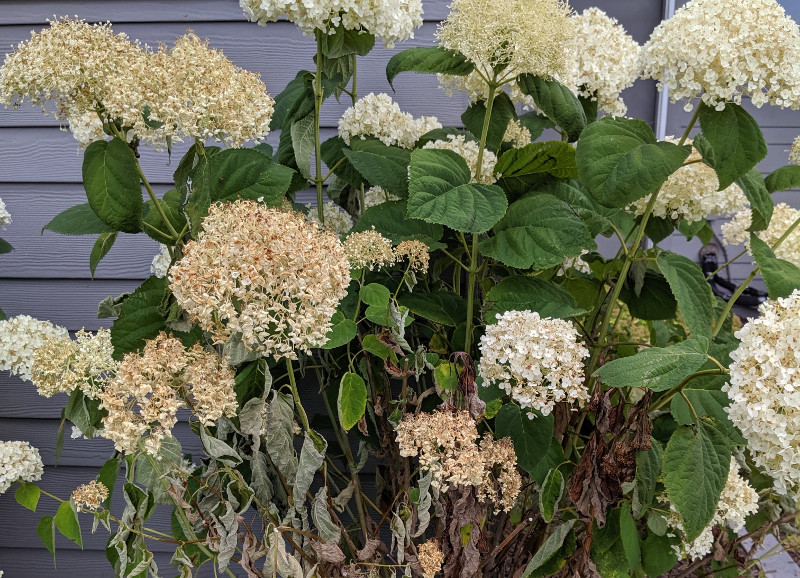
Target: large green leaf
[352, 400]
[781, 277]
[66, 520]
[689, 285]
[381, 165]
[27, 495]
[77, 220]
[302, 132]
[429, 60]
[100, 249]
[531, 437]
[171, 207]
[735, 141]
[441, 307]
[390, 219]
[248, 174]
[538, 232]
[550, 547]
[342, 331]
[342, 41]
[706, 399]
[439, 192]
[552, 490]
[294, 102]
[139, 318]
[755, 189]
[502, 112]
[608, 550]
[597, 217]
[656, 368]
[655, 300]
[620, 161]
[557, 102]
[333, 153]
[648, 469]
[550, 157]
[111, 180]
[520, 293]
[46, 530]
[783, 179]
[696, 464]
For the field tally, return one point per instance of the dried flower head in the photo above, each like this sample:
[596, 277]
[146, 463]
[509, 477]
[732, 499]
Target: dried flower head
[368, 249]
[392, 20]
[430, 558]
[336, 219]
[374, 196]
[536, 360]
[517, 135]
[19, 461]
[691, 193]
[468, 149]
[376, 115]
[499, 456]
[5, 216]
[20, 336]
[416, 252]
[90, 496]
[149, 388]
[522, 36]
[736, 231]
[720, 51]
[60, 364]
[763, 388]
[263, 274]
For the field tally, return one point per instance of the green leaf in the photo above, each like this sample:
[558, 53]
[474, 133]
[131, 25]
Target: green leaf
[520, 293]
[27, 495]
[342, 331]
[608, 550]
[390, 219]
[66, 520]
[655, 300]
[430, 60]
[381, 165]
[83, 412]
[171, 206]
[538, 232]
[755, 189]
[294, 102]
[783, 179]
[344, 42]
[77, 220]
[656, 368]
[111, 180]
[658, 556]
[219, 450]
[333, 152]
[696, 464]
[535, 122]
[101, 248]
[303, 144]
[549, 548]
[630, 538]
[441, 307]
[352, 401]
[736, 142]
[5, 247]
[781, 277]
[149, 476]
[248, 174]
[375, 347]
[550, 157]
[139, 318]
[107, 476]
[709, 401]
[439, 193]
[557, 102]
[552, 490]
[46, 530]
[620, 161]
[689, 285]
[502, 112]
[375, 294]
[648, 468]
[531, 437]
[597, 217]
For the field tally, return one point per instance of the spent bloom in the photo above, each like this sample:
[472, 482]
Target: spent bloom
[468, 149]
[61, 364]
[20, 336]
[764, 390]
[536, 360]
[720, 51]
[691, 194]
[368, 249]
[19, 461]
[5, 216]
[149, 388]
[374, 196]
[430, 558]
[416, 252]
[392, 20]
[335, 218]
[376, 115]
[737, 501]
[522, 36]
[735, 232]
[516, 134]
[90, 496]
[262, 274]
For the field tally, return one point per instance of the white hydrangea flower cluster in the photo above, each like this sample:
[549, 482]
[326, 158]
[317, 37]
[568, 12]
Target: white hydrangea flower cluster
[735, 232]
[5, 216]
[161, 262]
[536, 360]
[20, 337]
[263, 274]
[391, 20]
[374, 196]
[516, 134]
[468, 149]
[720, 51]
[19, 461]
[794, 152]
[764, 390]
[86, 127]
[576, 263]
[336, 219]
[691, 194]
[377, 115]
[737, 501]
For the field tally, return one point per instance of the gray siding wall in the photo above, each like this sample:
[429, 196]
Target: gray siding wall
[47, 276]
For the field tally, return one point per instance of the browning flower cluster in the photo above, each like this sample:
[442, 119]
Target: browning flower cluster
[90, 496]
[376, 115]
[20, 337]
[263, 275]
[19, 461]
[430, 558]
[368, 249]
[149, 388]
[416, 252]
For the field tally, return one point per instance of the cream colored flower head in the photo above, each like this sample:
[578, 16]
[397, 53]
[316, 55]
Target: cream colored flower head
[525, 36]
[20, 337]
[90, 496]
[430, 558]
[468, 149]
[19, 461]
[537, 360]
[368, 250]
[336, 219]
[691, 193]
[721, 50]
[5, 216]
[764, 386]
[794, 153]
[376, 115]
[377, 195]
[736, 231]
[264, 275]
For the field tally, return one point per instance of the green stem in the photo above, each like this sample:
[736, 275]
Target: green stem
[318, 97]
[690, 126]
[691, 407]
[293, 385]
[667, 397]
